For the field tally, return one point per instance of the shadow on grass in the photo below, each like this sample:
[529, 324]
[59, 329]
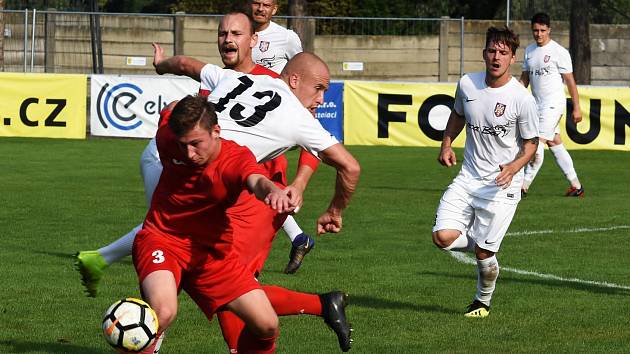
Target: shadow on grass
[125, 260]
[380, 303]
[392, 188]
[566, 284]
[62, 346]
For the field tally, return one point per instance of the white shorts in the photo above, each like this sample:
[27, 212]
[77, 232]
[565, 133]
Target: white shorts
[485, 221]
[549, 119]
[150, 169]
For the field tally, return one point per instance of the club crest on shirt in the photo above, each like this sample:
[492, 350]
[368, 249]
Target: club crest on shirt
[499, 109]
[263, 46]
[546, 59]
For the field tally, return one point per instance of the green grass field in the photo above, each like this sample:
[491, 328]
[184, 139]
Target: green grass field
[61, 196]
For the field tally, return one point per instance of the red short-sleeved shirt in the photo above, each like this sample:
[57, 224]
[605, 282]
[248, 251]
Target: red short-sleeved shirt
[190, 201]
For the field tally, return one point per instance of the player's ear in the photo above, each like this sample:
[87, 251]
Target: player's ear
[254, 40]
[215, 131]
[294, 80]
[274, 9]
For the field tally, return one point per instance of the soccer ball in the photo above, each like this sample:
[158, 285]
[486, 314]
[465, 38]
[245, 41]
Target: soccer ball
[130, 325]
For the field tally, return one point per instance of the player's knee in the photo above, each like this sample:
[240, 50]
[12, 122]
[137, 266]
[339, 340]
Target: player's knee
[166, 315]
[442, 238]
[267, 327]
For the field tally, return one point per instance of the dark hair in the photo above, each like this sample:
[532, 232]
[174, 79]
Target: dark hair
[541, 18]
[189, 112]
[503, 35]
[252, 24]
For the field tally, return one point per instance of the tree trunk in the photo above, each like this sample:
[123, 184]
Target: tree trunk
[304, 28]
[580, 41]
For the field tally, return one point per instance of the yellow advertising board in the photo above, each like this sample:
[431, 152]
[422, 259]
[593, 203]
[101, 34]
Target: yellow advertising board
[43, 105]
[415, 114]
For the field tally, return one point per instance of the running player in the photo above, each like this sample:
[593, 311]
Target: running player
[546, 66]
[501, 137]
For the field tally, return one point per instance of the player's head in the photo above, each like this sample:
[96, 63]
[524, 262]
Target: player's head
[541, 28]
[236, 38]
[263, 11]
[308, 77]
[500, 51]
[194, 123]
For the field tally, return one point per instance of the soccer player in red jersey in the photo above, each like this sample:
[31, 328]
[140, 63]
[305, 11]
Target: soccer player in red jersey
[203, 177]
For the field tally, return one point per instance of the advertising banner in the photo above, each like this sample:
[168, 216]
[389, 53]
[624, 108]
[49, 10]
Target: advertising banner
[415, 114]
[43, 105]
[129, 106]
[397, 114]
[330, 113]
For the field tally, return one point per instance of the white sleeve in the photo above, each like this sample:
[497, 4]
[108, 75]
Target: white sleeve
[294, 45]
[310, 134]
[564, 62]
[528, 119]
[210, 76]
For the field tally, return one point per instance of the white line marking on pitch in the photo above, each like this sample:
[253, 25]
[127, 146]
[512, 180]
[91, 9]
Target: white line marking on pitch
[466, 259]
[574, 231]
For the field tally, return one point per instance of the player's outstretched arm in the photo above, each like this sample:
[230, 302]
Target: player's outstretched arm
[178, 65]
[576, 114]
[348, 172]
[453, 128]
[525, 154]
[270, 193]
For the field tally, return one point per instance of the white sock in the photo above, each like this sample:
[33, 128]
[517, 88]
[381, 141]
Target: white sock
[291, 227]
[532, 167]
[119, 248]
[487, 274]
[564, 161]
[461, 244]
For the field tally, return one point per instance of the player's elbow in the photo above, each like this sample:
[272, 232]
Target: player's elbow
[352, 169]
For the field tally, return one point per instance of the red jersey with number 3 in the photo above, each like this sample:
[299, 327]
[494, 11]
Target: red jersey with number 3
[190, 201]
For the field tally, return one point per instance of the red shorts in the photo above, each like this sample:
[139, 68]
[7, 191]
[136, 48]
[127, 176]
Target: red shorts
[254, 225]
[210, 282]
[277, 169]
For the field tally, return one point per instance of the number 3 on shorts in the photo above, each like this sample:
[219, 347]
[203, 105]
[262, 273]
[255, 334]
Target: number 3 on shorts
[158, 256]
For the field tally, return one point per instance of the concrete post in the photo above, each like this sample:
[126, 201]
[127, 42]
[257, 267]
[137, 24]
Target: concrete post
[1, 36]
[49, 51]
[178, 36]
[443, 60]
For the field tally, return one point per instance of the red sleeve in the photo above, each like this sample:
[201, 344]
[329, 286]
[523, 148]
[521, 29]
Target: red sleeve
[165, 114]
[242, 163]
[308, 159]
[203, 92]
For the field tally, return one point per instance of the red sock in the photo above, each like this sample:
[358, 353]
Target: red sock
[288, 302]
[231, 327]
[250, 344]
[158, 340]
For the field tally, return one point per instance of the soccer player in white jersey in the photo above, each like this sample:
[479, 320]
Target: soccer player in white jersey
[276, 44]
[501, 137]
[545, 66]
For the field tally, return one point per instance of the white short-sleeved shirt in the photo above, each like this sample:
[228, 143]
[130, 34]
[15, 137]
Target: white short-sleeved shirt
[262, 113]
[497, 119]
[276, 45]
[545, 65]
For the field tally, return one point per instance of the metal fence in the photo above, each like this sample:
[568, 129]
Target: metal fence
[85, 42]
